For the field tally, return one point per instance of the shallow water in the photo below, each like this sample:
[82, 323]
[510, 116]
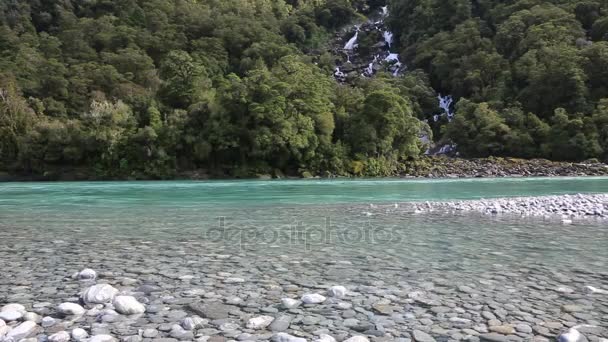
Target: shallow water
[287, 238]
[271, 217]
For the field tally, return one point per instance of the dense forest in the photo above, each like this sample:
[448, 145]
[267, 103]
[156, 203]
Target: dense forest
[239, 88]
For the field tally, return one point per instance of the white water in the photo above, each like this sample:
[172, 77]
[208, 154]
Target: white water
[369, 71]
[445, 102]
[352, 43]
[385, 11]
[388, 38]
[393, 59]
[338, 73]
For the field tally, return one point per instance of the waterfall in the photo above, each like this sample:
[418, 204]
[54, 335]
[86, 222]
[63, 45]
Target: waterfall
[388, 38]
[352, 43]
[369, 71]
[393, 59]
[385, 11]
[339, 74]
[445, 102]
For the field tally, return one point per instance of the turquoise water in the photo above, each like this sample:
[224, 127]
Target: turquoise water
[259, 215]
[239, 194]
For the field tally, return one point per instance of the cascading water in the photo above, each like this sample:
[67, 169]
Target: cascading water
[445, 102]
[370, 67]
[393, 60]
[385, 11]
[388, 38]
[352, 43]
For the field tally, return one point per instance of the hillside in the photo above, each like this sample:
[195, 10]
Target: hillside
[149, 89]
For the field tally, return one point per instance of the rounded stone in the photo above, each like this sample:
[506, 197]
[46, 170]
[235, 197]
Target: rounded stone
[10, 315]
[337, 291]
[128, 305]
[87, 274]
[61, 336]
[79, 334]
[70, 309]
[259, 322]
[313, 298]
[99, 294]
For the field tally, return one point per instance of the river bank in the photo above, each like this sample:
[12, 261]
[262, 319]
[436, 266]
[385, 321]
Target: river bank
[424, 167]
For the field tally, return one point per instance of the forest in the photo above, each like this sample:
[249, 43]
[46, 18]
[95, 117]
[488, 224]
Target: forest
[149, 89]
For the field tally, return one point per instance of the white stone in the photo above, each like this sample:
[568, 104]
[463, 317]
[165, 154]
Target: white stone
[290, 303]
[571, 335]
[128, 305]
[357, 339]
[10, 315]
[48, 322]
[344, 306]
[325, 338]
[102, 338]
[192, 323]
[285, 337]
[337, 291]
[87, 274]
[259, 322]
[99, 294]
[61, 336]
[595, 290]
[3, 330]
[70, 309]
[2, 323]
[313, 298]
[22, 331]
[13, 307]
[79, 334]
[234, 280]
[31, 316]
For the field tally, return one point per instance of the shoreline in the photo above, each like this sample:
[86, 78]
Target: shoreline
[424, 168]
